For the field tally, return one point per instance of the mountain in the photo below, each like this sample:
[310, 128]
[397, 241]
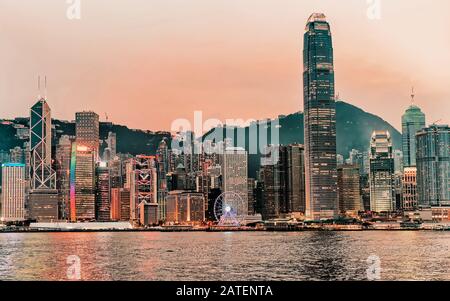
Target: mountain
[354, 129]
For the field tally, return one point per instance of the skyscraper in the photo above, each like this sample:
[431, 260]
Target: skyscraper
[43, 198]
[433, 166]
[102, 193]
[162, 158]
[88, 131]
[235, 174]
[349, 188]
[142, 182]
[382, 185]
[13, 192]
[320, 120]
[63, 156]
[409, 189]
[42, 175]
[82, 183]
[412, 121]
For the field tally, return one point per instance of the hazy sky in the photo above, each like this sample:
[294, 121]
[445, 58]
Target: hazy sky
[148, 62]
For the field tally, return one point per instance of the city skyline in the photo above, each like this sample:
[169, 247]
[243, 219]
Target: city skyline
[388, 63]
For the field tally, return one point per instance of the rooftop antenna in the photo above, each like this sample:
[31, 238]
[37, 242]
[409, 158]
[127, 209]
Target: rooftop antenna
[39, 87]
[413, 95]
[45, 89]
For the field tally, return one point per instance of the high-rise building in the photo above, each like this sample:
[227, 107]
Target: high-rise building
[120, 204]
[235, 174]
[349, 190]
[273, 179]
[412, 121]
[320, 120]
[63, 156]
[103, 193]
[295, 182]
[162, 158]
[43, 177]
[433, 166]
[43, 197]
[409, 189]
[398, 161]
[185, 207]
[381, 177]
[87, 131]
[142, 182]
[82, 183]
[13, 192]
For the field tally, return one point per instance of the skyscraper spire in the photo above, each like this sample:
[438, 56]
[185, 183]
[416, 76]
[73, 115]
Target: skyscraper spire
[413, 95]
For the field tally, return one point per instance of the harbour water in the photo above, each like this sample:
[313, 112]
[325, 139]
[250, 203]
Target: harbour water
[403, 255]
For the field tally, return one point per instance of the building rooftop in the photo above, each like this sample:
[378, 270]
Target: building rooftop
[317, 17]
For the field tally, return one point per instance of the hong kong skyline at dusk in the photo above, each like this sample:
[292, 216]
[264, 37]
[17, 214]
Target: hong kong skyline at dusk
[224, 148]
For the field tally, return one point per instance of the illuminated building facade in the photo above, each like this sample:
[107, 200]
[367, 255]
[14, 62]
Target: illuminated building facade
[82, 183]
[433, 166]
[382, 184]
[349, 188]
[320, 120]
[102, 193]
[409, 189]
[87, 131]
[13, 192]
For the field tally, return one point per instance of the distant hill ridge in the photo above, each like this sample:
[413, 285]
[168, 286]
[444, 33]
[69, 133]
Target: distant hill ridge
[354, 129]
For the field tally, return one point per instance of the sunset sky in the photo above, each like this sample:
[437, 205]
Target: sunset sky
[148, 62]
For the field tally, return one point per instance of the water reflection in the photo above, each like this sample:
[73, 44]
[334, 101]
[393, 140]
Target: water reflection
[225, 256]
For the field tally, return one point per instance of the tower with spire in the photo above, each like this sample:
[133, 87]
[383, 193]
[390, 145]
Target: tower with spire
[412, 121]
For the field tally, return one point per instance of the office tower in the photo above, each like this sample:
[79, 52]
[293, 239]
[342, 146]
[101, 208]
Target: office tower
[120, 204]
[43, 198]
[17, 155]
[273, 178]
[409, 189]
[112, 144]
[82, 183]
[320, 120]
[251, 196]
[235, 174]
[295, 182]
[62, 158]
[13, 192]
[102, 193]
[142, 179]
[433, 166]
[162, 158]
[398, 190]
[398, 161]
[349, 190]
[185, 207]
[382, 185]
[412, 121]
[148, 214]
[339, 159]
[87, 130]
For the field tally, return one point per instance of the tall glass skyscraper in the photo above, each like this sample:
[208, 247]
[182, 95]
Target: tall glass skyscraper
[433, 166]
[382, 185]
[42, 177]
[320, 120]
[412, 121]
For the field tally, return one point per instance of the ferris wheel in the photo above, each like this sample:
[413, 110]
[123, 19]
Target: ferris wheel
[230, 209]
